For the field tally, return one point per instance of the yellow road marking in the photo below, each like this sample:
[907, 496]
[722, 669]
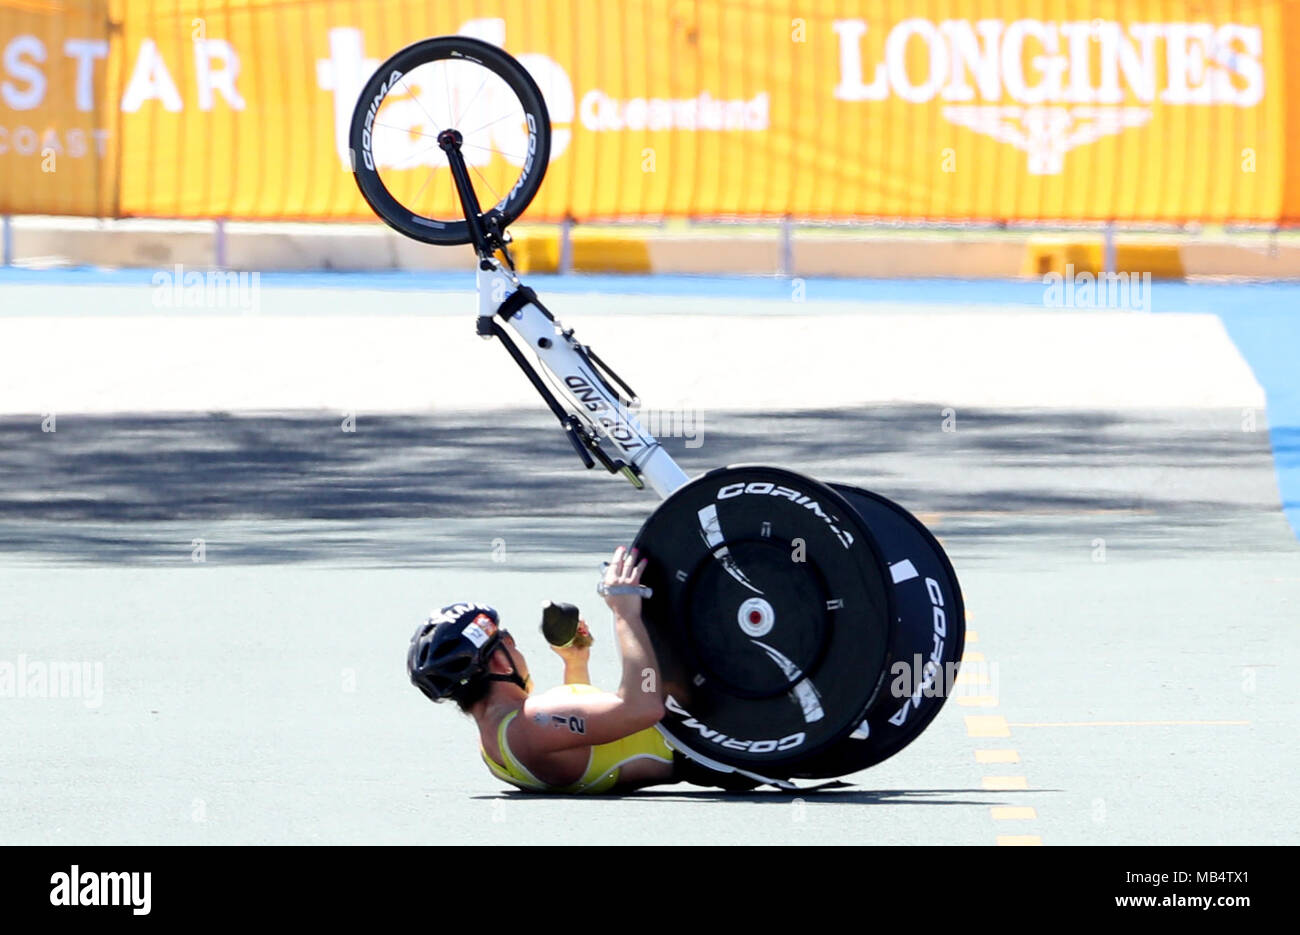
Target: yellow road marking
[971, 635]
[987, 725]
[972, 657]
[997, 756]
[1005, 783]
[977, 701]
[1019, 840]
[970, 678]
[1013, 812]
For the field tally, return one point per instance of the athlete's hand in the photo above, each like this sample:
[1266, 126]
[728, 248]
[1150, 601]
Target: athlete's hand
[624, 569]
[579, 651]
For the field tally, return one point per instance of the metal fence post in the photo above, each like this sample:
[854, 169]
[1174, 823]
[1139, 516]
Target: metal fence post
[219, 243]
[786, 260]
[566, 246]
[7, 239]
[1108, 249]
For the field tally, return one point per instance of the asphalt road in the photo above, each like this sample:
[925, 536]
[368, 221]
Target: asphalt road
[1132, 584]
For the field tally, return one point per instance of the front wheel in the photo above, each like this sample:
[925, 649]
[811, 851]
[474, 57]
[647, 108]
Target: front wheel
[449, 83]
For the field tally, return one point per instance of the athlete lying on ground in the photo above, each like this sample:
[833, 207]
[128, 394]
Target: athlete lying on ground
[574, 738]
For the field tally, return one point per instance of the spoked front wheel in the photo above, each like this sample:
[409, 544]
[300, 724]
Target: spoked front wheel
[426, 93]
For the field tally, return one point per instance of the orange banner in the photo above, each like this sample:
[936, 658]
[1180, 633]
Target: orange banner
[58, 123]
[1004, 110]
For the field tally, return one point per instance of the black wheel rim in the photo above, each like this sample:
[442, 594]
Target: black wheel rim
[450, 82]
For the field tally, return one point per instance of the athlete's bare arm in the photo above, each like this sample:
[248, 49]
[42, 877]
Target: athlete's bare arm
[562, 722]
[575, 657]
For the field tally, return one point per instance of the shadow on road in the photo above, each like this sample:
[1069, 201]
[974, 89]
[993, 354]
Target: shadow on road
[785, 797]
[301, 488]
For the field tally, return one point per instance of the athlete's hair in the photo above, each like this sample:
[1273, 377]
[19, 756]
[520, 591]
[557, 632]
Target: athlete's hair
[471, 694]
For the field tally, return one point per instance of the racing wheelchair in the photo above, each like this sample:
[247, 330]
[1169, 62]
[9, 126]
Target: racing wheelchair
[804, 629]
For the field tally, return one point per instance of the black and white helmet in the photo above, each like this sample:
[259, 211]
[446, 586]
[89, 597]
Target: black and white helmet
[451, 649]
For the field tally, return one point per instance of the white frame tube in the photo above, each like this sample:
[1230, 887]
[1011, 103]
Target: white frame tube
[577, 385]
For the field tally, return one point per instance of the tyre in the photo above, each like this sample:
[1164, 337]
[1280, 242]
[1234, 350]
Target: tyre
[449, 83]
[928, 638]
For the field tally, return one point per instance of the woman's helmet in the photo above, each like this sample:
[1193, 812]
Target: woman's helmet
[451, 649]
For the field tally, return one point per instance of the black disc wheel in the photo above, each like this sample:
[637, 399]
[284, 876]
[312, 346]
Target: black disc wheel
[926, 641]
[771, 617]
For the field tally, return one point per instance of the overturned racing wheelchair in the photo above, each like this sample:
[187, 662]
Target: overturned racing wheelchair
[803, 629]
